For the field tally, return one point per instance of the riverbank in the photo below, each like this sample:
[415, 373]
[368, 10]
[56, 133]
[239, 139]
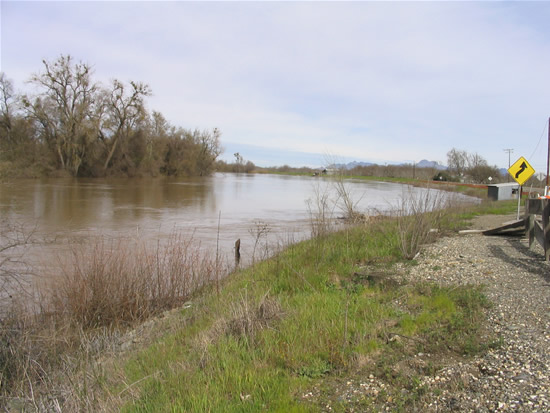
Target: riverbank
[337, 323]
[469, 189]
[514, 376]
[512, 373]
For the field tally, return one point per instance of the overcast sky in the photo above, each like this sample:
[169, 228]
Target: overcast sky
[290, 82]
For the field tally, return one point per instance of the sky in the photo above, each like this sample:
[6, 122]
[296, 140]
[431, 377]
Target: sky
[299, 82]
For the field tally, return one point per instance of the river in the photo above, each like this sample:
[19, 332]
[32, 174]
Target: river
[214, 210]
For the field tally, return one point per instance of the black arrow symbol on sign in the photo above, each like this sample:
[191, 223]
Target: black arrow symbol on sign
[522, 168]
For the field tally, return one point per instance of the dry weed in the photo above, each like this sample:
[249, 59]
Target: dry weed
[112, 282]
[419, 217]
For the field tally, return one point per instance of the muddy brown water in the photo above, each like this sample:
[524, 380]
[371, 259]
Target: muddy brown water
[261, 210]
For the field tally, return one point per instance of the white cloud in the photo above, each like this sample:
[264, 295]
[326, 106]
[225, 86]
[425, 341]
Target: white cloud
[385, 81]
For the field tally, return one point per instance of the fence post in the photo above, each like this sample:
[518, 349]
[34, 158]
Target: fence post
[546, 229]
[528, 228]
[531, 229]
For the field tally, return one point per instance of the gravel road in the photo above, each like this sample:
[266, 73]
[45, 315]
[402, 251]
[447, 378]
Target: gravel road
[515, 376]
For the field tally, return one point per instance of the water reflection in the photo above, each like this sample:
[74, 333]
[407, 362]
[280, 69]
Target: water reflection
[155, 207]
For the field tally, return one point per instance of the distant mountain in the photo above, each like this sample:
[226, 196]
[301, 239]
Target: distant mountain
[430, 164]
[422, 164]
[353, 164]
[350, 165]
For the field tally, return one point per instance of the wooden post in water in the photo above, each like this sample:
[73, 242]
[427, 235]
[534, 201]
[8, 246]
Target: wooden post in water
[237, 252]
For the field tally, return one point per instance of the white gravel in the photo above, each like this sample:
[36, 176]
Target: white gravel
[512, 376]
[515, 376]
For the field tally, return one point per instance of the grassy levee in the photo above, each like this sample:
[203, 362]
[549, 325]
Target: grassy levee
[301, 321]
[329, 309]
[475, 190]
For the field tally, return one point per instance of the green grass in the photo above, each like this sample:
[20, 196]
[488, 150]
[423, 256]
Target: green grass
[314, 316]
[498, 208]
[486, 207]
[295, 322]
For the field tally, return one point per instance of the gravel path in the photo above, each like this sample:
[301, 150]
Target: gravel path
[516, 375]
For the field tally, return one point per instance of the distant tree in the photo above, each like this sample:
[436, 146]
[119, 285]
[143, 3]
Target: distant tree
[472, 166]
[457, 161]
[442, 176]
[480, 174]
[239, 161]
[475, 160]
[249, 167]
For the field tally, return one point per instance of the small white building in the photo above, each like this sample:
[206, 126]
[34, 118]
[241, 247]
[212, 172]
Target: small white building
[501, 192]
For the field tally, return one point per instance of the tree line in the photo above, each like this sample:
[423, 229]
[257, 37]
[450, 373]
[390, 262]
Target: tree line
[73, 125]
[463, 165]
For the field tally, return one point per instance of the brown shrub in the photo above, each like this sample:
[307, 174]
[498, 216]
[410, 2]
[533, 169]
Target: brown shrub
[112, 282]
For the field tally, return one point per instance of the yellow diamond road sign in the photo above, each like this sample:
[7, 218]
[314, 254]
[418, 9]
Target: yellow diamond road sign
[521, 171]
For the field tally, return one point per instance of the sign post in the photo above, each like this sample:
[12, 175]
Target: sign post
[521, 171]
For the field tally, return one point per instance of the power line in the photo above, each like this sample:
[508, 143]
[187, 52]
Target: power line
[540, 139]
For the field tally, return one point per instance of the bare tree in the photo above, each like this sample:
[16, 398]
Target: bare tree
[7, 101]
[457, 161]
[74, 124]
[160, 127]
[475, 160]
[239, 161]
[124, 109]
[480, 174]
[65, 109]
[209, 149]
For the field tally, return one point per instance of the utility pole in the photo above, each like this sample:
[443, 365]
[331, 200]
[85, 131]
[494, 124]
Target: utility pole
[510, 150]
[547, 160]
